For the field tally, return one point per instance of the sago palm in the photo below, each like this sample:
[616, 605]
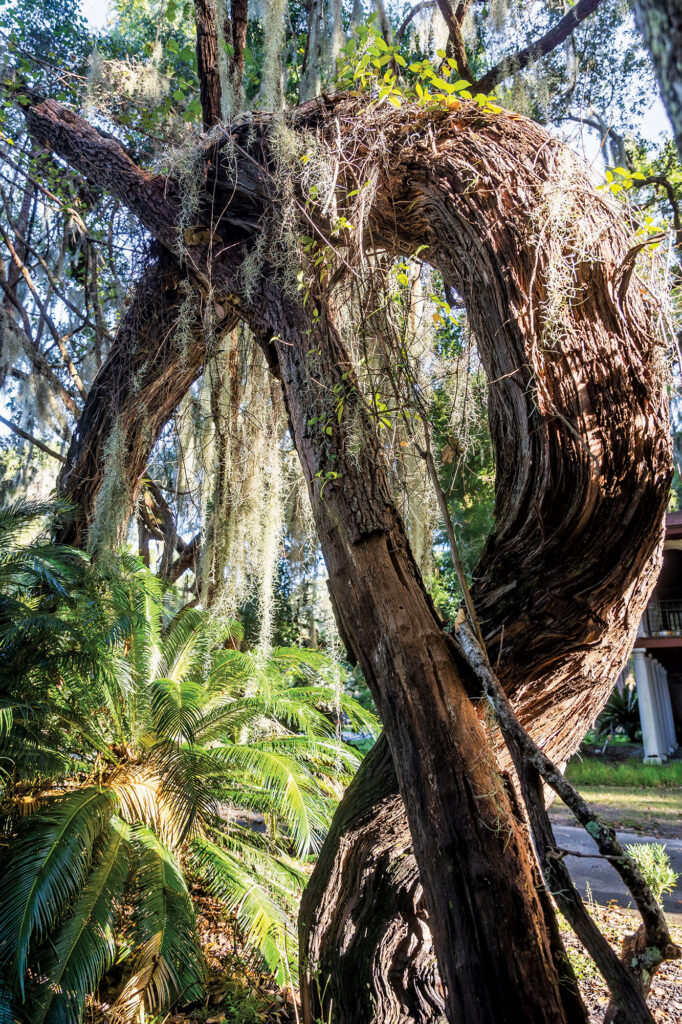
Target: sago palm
[184, 742]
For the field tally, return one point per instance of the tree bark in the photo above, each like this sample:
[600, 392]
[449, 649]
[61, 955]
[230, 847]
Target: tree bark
[579, 420]
[660, 22]
[149, 370]
[368, 947]
[207, 62]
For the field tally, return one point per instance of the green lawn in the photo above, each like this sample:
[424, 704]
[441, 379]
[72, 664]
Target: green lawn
[594, 771]
[628, 794]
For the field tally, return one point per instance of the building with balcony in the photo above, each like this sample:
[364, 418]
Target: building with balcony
[657, 657]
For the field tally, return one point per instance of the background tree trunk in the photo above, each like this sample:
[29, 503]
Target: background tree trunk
[660, 22]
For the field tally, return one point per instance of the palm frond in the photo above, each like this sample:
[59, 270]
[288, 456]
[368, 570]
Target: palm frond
[48, 867]
[21, 517]
[262, 919]
[291, 787]
[6, 717]
[31, 758]
[169, 964]
[186, 788]
[260, 854]
[147, 798]
[176, 707]
[230, 667]
[328, 699]
[185, 645]
[76, 957]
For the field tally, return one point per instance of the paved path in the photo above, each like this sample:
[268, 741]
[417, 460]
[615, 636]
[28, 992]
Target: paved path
[603, 881]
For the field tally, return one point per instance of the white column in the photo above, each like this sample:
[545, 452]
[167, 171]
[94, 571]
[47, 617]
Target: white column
[664, 708]
[667, 710]
[655, 746]
[660, 723]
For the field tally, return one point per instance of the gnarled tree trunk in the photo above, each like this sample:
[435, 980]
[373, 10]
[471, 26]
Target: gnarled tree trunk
[363, 926]
[565, 576]
[578, 417]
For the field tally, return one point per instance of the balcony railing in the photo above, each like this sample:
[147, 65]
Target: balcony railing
[664, 618]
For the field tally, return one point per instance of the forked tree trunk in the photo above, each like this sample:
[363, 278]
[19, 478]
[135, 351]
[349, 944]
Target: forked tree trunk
[578, 417]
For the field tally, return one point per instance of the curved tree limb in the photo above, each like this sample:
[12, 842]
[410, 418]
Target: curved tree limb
[148, 371]
[417, 9]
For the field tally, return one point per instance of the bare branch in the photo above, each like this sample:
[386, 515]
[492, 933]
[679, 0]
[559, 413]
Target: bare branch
[36, 357]
[33, 440]
[423, 6]
[453, 19]
[68, 362]
[540, 48]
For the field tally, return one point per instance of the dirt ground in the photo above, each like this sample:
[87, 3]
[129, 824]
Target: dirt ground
[665, 998]
[237, 994]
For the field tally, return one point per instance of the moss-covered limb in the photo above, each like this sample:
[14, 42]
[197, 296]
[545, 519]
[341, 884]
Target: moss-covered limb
[151, 366]
[556, 35]
[532, 765]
